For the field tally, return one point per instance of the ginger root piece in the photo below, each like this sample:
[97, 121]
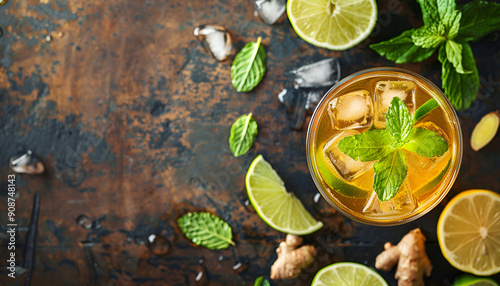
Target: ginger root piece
[410, 256]
[291, 258]
[485, 130]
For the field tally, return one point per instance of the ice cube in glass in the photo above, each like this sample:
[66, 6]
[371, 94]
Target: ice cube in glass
[385, 91]
[403, 202]
[347, 167]
[351, 111]
[215, 39]
[324, 73]
[270, 10]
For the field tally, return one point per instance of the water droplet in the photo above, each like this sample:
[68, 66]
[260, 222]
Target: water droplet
[27, 163]
[96, 265]
[215, 39]
[48, 38]
[60, 34]
[317, 196]
[84, 221]
[201, 277]
[240, 267]
[201, 261]
[158, 244]
[322, 206]
[220, 258]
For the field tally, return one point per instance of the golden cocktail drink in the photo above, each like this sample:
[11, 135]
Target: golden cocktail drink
[360, 187]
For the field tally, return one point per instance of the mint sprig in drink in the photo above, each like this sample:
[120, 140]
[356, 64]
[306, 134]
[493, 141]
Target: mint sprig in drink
[384, 146]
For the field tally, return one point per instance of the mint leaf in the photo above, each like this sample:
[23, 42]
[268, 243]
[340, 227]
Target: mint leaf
[399, 121]
[446, 9]
[454, 55]
[479, 18]
[248, 66]
[390, 172]
[424, 109]
[454, 25]
[437, 11]
[367, 146]
[243, 132]
[206, 229]
[429, 36]
[426, 143]
[429, 11]
[261, 281]
[401, 49]
[461, 89]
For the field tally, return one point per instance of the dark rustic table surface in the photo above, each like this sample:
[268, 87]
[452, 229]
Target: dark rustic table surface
[131, 118]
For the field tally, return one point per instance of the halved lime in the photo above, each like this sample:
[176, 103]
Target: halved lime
[280, 209]
[348, 274]
[333, 24]
[471, 280]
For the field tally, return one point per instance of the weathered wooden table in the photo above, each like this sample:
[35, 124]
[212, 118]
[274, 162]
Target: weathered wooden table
[131, 118]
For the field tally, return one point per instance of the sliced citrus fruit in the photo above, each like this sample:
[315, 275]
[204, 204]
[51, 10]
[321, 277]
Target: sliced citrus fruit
[332, 24]
[280, 209]
[348, 274]
[470, 280]
[469, 232]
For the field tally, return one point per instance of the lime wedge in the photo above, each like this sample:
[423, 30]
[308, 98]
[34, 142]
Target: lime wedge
[471, 280]
[348, 274]
[280, 209]
[326, 169]
[332, 24]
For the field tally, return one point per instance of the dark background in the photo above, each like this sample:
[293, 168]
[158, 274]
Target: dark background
[131, 118]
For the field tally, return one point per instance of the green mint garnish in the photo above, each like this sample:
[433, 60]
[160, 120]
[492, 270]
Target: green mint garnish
[206, 229]
[449, 29]
[249, 66]
[385, 146]
[242, 136]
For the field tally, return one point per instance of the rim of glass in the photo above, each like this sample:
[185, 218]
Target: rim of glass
[449, 177]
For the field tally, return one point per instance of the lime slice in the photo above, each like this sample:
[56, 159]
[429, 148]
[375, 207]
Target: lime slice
[468, 232]
[280, 209]
[471, 280]
[332, 24]
[348, 274]
[326, 169]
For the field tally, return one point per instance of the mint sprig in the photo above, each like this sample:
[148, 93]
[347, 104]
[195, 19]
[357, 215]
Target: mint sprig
[385, 146]
[449, 29]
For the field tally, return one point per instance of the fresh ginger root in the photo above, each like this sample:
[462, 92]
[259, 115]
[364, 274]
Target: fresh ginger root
[410, 256]
[292, 258]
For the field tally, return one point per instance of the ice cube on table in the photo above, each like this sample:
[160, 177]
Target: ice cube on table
[295, 103]
[293, 106]
[351, 111]
[347, 167]
[385, 91]
[403, 202]
[324, 73]
[270, 10]
[215, 39]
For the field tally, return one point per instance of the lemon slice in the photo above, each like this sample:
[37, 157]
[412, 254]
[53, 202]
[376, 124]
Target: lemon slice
[347, 274]
[469, 232]
[333, 24]
[280, 209]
